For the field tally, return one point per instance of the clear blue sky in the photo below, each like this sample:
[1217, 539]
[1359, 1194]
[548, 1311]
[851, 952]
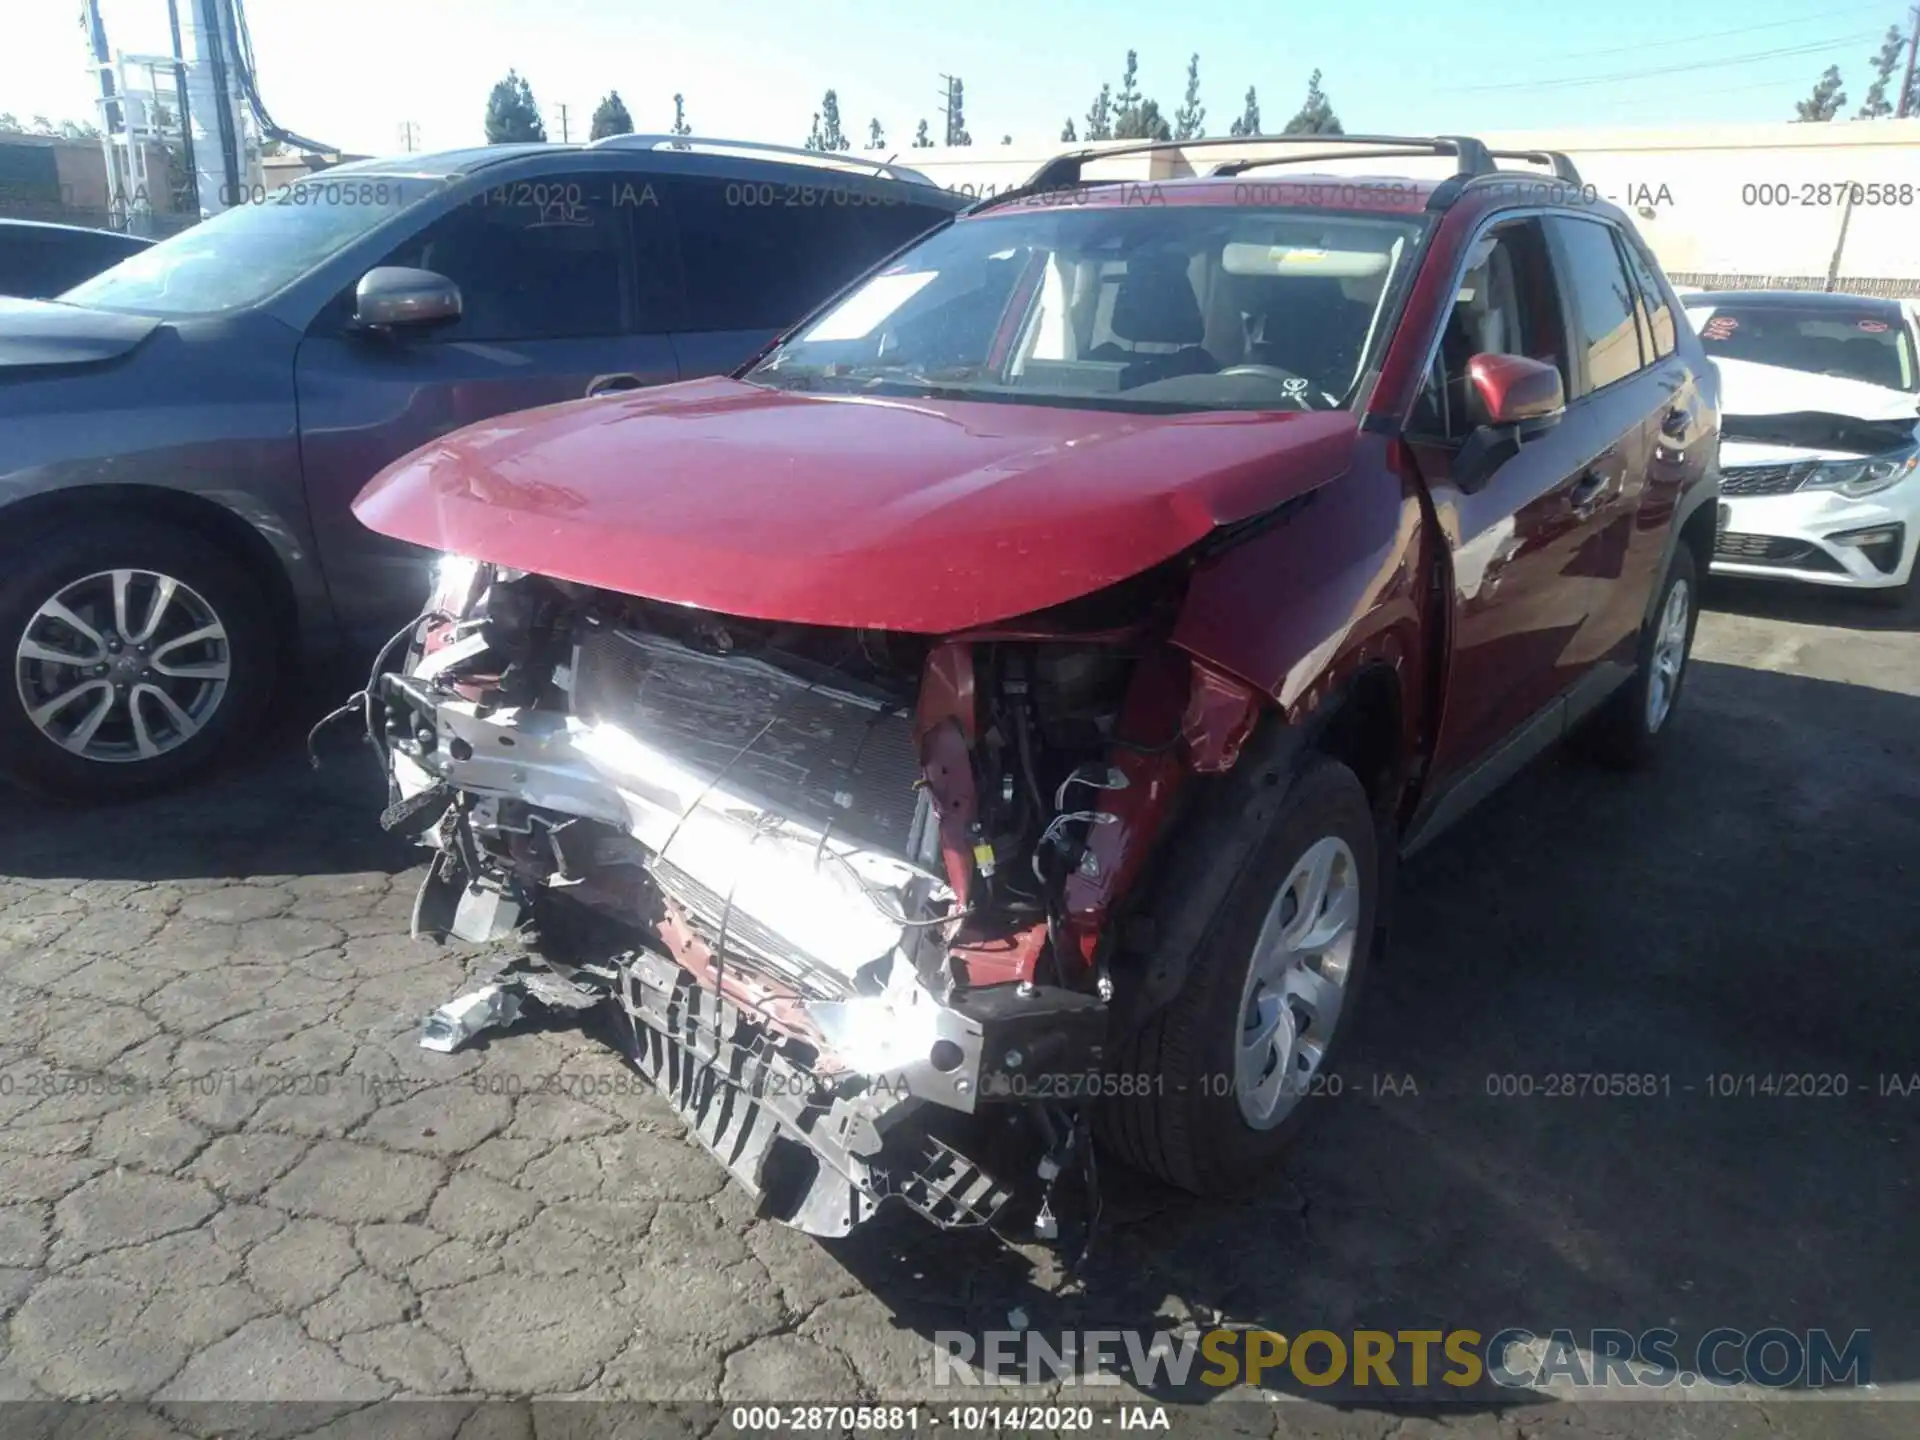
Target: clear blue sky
[350, 71]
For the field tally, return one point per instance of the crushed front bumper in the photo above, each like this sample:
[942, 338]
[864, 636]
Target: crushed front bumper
[829, 1075]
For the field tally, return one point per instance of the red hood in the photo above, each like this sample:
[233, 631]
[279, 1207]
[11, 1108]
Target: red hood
[919, 515]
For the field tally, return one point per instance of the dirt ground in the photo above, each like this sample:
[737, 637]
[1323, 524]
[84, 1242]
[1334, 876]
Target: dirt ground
[253, 1185]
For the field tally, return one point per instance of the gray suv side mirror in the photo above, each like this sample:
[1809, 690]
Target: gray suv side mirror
[398, 295]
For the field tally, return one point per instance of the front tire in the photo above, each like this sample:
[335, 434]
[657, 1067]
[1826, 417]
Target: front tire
[1235, 1060]
[139, 654]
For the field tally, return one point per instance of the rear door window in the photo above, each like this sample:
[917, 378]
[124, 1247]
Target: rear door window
[1605, 330]
[760, 254]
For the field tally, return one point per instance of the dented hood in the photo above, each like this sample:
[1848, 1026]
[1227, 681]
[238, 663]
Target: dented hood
[900, 514]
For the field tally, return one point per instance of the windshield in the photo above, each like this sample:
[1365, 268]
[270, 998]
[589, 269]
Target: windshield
[249, 252]
[1170, 308]
[1871, 345]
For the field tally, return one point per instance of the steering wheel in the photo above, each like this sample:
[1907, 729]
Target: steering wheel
[1296, 387]
[1272, 372]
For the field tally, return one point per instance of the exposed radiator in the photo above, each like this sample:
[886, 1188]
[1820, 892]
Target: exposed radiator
[819, 753]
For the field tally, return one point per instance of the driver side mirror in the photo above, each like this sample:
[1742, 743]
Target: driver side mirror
[1514, 389]
[1521, 398]
[398, 296]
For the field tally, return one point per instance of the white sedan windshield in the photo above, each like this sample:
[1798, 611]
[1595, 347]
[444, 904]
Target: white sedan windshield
[253, 250]
[1175, 307]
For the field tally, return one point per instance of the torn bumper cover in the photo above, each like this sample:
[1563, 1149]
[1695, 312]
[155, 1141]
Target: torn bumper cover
[771, 863]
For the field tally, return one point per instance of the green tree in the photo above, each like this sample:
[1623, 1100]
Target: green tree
[1145, 123]
[1006, 139]
[79, 130]
[1100, 115]
[1877, 105]
[957, 113]
[610, 117]
[921, 140]
[827, 134]
[511, 114]
[1134, 116]
[1190, 120]
[1826, 100]
[1316, 115]
[876, 137]
[1126, 102]
[9, 123]
[1249, 121]
[1066, 132]
[680, 126]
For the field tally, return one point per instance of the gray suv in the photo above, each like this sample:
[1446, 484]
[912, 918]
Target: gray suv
[181, 436]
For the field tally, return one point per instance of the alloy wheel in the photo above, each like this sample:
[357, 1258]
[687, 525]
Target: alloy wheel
[1669, 655]
[123, 665]
[1297, 982]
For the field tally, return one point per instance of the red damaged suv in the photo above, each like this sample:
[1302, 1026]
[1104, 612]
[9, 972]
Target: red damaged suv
[989, 721]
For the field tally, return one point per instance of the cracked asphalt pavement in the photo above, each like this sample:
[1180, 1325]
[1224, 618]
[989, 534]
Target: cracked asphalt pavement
[228, 1172]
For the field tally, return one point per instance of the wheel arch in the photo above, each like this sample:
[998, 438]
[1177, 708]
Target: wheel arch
[36, 515]
[1696, 533]
[1364, 728]
[1223, 818]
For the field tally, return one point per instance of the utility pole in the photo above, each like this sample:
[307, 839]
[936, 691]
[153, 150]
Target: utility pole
[1906, 81]
[946, 105]
[563, 124]
[409, 136]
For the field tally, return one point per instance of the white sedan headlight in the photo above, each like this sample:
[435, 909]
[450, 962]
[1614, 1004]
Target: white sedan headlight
[1855, 478]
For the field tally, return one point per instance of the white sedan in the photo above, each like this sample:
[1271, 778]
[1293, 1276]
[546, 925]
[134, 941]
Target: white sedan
[1819, 439]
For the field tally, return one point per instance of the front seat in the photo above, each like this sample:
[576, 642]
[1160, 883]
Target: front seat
[1156, 305]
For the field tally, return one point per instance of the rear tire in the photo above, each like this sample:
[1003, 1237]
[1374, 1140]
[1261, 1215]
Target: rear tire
[1215, 1117]
[138, 655]
[1625, 731]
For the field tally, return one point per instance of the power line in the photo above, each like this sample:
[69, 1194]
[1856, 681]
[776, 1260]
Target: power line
[1723, 34]
[1816, 48]
[1781, 84]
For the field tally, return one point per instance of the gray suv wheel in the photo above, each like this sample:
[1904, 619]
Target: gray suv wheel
[139, 653]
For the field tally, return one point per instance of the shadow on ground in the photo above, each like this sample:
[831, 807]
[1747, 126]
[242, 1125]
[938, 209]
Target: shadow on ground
[264, 812]
[1813, 604]
[1749, 908]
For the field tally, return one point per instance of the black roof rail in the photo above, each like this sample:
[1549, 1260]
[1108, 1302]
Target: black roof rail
[703, 145]
[1472, 160]
[1470, 156]
[1063, 171]
[1563, 168]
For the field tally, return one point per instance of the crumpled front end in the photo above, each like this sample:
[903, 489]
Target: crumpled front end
[847, 893]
